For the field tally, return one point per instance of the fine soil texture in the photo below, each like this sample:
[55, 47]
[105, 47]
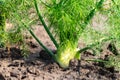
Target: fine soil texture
[39, 66]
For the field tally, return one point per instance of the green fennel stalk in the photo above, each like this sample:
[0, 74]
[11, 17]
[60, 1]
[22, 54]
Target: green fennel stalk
[45, 26]
[35, 37]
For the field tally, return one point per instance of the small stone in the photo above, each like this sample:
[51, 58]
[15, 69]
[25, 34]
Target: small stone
[14, 64]
[23, 77]
[31, 70]
[14, 74]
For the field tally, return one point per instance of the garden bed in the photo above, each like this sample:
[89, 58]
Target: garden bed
[41, 67]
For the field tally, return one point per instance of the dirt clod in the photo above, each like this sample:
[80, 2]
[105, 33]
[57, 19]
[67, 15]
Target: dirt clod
[14, 74]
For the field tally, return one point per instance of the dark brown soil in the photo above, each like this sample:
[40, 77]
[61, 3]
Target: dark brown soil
[39, 66]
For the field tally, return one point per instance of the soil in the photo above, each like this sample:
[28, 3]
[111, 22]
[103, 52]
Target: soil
[39, 66]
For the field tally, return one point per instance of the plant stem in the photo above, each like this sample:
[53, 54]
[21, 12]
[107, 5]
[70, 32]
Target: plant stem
[94, 44]
[43, 46]
[44, 24]
[97, 60]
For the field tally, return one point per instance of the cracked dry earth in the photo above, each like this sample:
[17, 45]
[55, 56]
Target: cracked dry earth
[39, 66]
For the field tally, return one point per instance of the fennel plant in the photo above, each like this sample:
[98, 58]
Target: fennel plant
[114, 31]
[111, 35]
[67, 19]
[2, 24]
[14, 12]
